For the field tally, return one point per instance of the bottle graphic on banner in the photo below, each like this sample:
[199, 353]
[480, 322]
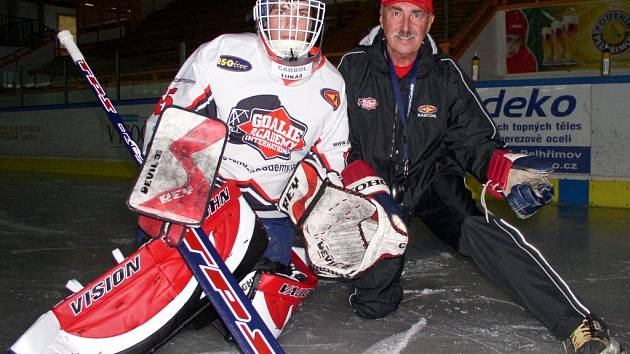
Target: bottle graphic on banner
[606, 62]
[570, 24]
[557, 40]
[547, 46]
[475, 68]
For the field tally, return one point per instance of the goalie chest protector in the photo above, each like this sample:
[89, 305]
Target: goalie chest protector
[272, 123]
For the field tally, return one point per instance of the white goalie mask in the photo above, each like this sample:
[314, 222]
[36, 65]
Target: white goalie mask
[291, 30]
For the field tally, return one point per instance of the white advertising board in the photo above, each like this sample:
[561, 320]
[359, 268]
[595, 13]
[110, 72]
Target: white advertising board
[552, 122]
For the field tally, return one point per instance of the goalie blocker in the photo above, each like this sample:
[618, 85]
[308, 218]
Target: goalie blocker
[346, 231]
[181, 163]
[138, 304]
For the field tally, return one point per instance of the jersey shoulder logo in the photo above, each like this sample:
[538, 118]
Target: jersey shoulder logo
[231, 63]
[332, 97]
[263, 123]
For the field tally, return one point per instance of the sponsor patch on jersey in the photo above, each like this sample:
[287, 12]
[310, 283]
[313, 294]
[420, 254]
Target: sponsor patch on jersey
[184, 81]
[367, 103]
[427, 111]
[332, 97]
[263, 123]
[228, 62]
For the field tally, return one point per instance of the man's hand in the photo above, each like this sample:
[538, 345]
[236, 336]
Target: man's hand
[523, 180]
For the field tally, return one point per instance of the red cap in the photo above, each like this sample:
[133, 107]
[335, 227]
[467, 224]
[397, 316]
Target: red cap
[426, 5]
[515, 22]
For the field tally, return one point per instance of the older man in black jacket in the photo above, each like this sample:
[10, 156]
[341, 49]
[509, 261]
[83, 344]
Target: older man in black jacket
[416, 119]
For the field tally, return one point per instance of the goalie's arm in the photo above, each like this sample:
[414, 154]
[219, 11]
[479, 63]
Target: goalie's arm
[332, 146]
[190, 89]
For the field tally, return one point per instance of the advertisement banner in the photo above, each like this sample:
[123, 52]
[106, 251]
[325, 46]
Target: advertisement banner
[567, 37]
[552, 122]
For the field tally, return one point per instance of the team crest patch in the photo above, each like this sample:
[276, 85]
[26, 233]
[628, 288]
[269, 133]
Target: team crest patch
[228, 62]
[367, 103]
[427, 111]
[332, 97]
[264, 124]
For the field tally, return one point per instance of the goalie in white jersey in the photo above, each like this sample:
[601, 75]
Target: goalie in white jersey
[286, 111]
[281, 100]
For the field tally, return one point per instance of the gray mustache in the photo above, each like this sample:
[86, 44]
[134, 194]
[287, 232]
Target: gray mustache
[406, 35]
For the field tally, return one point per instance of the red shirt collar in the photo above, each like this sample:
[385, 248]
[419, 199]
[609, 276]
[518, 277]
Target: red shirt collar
[401, 71]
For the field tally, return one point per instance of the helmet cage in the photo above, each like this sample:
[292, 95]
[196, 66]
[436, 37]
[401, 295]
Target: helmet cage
[290, 29]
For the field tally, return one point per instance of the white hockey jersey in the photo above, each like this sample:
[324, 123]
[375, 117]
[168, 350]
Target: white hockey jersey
[273, 123]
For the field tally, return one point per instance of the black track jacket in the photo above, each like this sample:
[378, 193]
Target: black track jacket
[447, 129]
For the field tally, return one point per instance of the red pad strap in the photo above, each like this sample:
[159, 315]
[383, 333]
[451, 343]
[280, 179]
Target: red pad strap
[360, 177]
[150, 226]
[498, 171]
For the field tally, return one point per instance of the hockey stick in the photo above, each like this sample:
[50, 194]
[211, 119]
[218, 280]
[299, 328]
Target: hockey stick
[219, 285]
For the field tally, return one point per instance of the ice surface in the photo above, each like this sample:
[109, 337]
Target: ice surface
[55, 228]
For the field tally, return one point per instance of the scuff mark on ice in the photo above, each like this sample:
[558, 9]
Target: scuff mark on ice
[413, 294]
[396, 343]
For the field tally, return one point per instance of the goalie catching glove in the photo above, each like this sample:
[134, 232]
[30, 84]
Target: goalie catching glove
[522, 180]
[346, 232]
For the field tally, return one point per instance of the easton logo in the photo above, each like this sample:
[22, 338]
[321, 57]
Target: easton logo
[228, 62]
[105, 286]
[96, 86]
[332, 97]
[367, 103]
[427, 111]
[272, 132]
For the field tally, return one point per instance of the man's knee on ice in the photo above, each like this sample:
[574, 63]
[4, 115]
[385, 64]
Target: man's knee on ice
[377, 292]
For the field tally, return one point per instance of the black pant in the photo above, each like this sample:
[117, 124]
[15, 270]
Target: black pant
[496, 247]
